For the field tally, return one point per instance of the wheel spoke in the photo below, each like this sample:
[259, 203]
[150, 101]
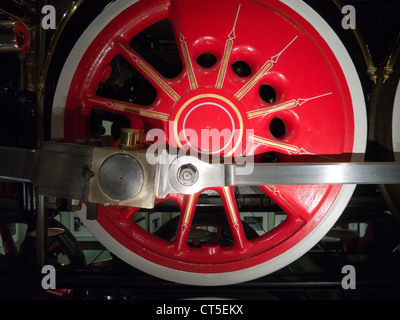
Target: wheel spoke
[188, 208]
[232, 213]
[184, 51]
[282, 106]
[274, 145]
[285, 198]
[126, 214]
[147, 71]
[194, 42]
[263, 70]
[227, 53]
[125, 107]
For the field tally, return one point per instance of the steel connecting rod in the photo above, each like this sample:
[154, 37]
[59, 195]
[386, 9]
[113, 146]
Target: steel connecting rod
[218, 175]
[126, 177]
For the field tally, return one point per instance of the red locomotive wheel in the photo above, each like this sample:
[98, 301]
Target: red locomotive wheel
[274, 67]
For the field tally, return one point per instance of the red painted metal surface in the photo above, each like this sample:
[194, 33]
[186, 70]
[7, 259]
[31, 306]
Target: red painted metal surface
[283, 51]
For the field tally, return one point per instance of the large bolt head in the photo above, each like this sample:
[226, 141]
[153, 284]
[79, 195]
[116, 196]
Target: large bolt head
[187, 175]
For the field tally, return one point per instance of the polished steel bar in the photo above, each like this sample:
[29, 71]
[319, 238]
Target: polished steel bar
[63, 170]
[316, 173]
[219, 175]
[59, 170]
[18, 164]
[79, 172]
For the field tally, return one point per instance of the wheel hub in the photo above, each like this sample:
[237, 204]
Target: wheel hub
[209, 121]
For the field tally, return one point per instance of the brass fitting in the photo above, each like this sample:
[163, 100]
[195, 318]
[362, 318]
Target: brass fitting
[131, 139]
